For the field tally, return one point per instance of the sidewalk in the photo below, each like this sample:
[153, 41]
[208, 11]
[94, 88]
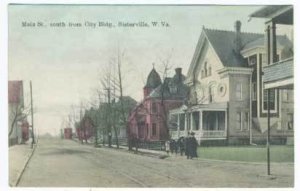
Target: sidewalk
[19, 155]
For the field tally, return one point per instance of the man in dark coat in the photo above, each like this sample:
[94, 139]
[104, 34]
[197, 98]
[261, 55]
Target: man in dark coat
[193, 146]
[188, 146]
[180, 144]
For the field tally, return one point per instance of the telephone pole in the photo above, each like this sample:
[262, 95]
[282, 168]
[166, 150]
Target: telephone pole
[32, 126]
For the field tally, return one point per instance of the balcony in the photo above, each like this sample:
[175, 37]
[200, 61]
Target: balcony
[279, 74]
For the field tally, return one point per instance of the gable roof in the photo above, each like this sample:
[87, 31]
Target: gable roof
[223, 44]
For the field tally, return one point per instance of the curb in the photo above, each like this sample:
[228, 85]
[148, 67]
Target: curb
[243, 162]
[24, 167]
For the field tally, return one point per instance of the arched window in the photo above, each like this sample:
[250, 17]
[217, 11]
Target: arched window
[209, 71]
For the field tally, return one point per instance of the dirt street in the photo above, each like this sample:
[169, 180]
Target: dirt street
[63, 163]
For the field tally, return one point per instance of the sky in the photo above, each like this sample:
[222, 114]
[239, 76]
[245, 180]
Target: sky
[66, 63]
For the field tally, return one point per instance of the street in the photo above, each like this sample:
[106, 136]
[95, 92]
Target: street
[66, 163]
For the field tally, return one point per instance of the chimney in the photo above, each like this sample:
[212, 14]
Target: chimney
[237, 40]
[178, 73]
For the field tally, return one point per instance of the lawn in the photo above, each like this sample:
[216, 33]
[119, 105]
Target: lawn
[248, 153]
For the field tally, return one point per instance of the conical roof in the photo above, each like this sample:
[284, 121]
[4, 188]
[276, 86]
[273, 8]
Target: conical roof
[153, 79]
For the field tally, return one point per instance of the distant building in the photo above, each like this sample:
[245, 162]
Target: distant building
[68, 133]
[148, 121]
[17, 123]
[227, 101]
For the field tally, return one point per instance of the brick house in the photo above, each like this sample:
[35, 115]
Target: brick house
[227, 101]
[148, 120]
[17, 123]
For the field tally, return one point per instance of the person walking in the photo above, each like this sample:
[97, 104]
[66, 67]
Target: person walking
[167, 146]
[180, 144]
[193, 146]
[171, 146]
[188, 146]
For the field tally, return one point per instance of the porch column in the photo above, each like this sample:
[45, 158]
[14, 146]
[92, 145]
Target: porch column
[226, 122]
[178, 125]
[268, 135]
[185, 123]
[201, 120]
[191, 121]
[200, 125]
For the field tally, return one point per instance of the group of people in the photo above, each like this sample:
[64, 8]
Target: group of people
[184, 145]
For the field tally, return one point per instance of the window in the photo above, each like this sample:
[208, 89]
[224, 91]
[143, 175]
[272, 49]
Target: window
[195, 117]
[246, 121]
[272, 99]
[287, 95]
[239, 120]
[181, 121]
[173, 89]
[209, 71]
[154, 108]
[290, 123]
[173, 121]
[202, 74]
[210, 94]
[254, 91]
[238, 91]
[153, 129]
[188, 120]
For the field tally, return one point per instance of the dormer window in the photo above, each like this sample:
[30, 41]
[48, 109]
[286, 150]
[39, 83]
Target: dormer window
[173, 89]
[252, 60]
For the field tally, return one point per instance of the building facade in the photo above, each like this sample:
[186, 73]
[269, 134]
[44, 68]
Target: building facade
[227, 103]
[148, 121]
[18, 126]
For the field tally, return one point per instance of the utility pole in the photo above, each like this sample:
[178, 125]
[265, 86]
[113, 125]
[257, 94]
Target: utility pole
[268, 137]
[109, 118]
[32, 127]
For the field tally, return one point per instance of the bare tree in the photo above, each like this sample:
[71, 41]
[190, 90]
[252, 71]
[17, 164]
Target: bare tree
[18, 112]
[166, 64]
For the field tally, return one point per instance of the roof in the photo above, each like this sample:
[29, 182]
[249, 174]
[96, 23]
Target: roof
[281, 40]
[15, 91]
[268, 11]
[223, 43]
[179, 91]
[153, 79]
[280, 14]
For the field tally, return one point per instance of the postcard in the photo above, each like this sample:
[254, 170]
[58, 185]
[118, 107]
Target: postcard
[150, 96]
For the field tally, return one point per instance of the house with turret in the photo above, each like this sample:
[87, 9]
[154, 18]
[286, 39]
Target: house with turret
[148, 121]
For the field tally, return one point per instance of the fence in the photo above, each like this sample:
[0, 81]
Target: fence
[151, 145]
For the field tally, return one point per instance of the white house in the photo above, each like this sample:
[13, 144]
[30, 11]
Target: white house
[227, 101]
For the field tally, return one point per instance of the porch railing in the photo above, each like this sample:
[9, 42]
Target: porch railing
[214, 134]
[202, 134]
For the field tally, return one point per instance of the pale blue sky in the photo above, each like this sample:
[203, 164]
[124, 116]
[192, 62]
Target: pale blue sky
[64, 64]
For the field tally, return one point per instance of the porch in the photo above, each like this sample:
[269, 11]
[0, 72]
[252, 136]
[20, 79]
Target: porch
[206, 123]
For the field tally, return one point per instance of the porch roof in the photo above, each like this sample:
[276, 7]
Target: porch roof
[282, 14]
[206, 107]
